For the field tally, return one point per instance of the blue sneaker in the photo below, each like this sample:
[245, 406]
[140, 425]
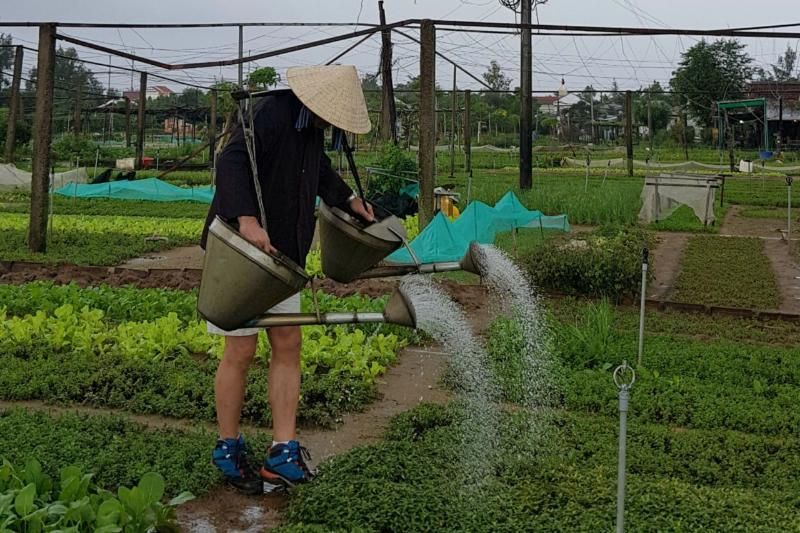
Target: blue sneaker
[285, 466]
[230, 456]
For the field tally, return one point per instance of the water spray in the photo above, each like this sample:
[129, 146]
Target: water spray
[624, 377]
[645, 260]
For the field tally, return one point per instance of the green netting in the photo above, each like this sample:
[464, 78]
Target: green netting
[443, 240]
[147, 189]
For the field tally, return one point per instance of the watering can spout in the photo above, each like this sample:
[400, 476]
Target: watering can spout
[473, 261]
[398, 310]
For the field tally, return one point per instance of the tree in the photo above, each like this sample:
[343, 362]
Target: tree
[263, 78]
[784, 69]
[71, 75]
[6, 58]
[660, 107]
[710, 72]
[495, 78]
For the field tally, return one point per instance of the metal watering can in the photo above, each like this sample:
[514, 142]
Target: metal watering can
[241, 282]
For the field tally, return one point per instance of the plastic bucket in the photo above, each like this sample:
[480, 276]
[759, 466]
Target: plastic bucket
[350, 247]
[240, 281]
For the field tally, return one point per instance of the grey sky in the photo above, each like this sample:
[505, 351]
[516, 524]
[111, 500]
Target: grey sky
[632, 61]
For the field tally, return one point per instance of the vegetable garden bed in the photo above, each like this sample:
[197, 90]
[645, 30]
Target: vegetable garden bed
[730, 271]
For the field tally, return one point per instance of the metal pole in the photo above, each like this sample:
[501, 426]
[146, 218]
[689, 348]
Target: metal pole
[624, 377]
[388, 109]
[96, 161]
[142, 104]
[212, 134]
[645, 261]
[241, 55]
[629, 131]
[453, 104]
[789, 180]
[14, 106]
[591, 111]
[76, 123]
[42, 137]
[127, 122]
[467, 135]
[427, 122]
[526, 104]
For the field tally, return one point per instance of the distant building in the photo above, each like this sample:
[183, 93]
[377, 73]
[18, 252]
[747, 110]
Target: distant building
[152, 92]
[549, 104]
[783, 109]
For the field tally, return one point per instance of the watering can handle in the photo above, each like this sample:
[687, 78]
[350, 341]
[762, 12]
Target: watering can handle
[249, 141]
[351, 162]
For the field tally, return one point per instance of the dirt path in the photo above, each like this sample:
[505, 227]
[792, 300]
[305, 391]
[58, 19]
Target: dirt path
[786, 274]
[737, 225]
[412, 381]
[666, 259]
[184, 257]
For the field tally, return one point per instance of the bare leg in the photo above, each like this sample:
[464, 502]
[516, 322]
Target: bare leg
[284, 380]
[230, 383]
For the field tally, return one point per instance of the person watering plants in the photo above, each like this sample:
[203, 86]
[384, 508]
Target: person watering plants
[292, 169]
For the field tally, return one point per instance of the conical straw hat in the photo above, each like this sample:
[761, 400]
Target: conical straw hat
[333, 93]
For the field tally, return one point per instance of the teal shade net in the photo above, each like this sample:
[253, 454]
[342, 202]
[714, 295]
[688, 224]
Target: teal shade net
[443, 240]
[152, 189]
[411, 190]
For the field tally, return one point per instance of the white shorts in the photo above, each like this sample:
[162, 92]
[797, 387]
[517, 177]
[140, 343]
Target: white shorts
[289, 305]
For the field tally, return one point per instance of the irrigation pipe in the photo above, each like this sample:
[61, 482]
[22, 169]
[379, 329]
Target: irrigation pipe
[642, 303]
[624, 377]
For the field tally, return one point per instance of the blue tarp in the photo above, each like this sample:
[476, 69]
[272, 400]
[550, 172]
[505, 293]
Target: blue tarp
[443, 240]
[147, 189]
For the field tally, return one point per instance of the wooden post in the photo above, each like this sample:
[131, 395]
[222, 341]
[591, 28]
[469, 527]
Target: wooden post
[42, 131]
[526, 101]
[388, 108]
[212, 131]
[127, 122]
[650, 120]
[685, 135]
[453, 104]
[467, 132]
[629, 131]
[779, 147]
[77, 128]
[427, 121]
[142, 104]
[14, 106]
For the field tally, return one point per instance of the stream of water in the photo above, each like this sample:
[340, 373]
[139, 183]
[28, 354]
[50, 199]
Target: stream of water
[444, 320]
[515, 290]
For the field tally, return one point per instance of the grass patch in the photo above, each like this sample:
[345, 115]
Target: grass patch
[767, 212]
[731, 271]
[684, 219]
